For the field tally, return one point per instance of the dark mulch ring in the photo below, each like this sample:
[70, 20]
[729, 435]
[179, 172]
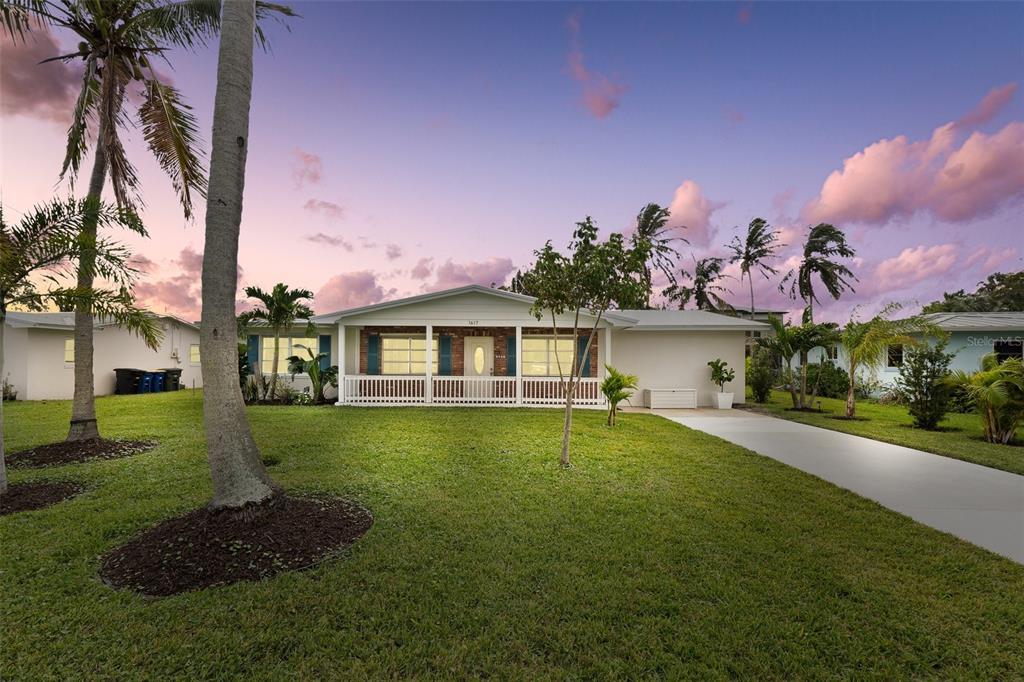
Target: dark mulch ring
[805, 409]
[844, 418]
[73, 452]
[206, 548]
[28, 496]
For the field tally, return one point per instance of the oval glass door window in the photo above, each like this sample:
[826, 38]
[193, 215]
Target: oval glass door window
[478, 360]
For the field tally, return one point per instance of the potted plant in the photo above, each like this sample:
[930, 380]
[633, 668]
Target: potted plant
[721, 374]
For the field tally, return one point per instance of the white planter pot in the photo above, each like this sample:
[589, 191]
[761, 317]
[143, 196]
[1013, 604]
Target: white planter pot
[724, 400]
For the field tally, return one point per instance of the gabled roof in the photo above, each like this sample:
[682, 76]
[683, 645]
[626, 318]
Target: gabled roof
[951, 322]
[633, 319]
[66, 321]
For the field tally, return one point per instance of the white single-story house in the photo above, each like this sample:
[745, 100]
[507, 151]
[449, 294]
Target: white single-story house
[486, 348]
[39, 353]
[972, 336]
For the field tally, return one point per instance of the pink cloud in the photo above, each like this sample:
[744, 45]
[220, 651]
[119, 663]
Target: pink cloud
[451, 274]
[180, 293]
[423, 268]
[393, 251]
[307, 168]
[989, 106]
[692, 210]
[329, 240]
[914, 265]
[734, 116]
[46, 91]
[745, 14]
[601, 96]
[349, 290]
[142, 263]
[325, 208]
[897, 178]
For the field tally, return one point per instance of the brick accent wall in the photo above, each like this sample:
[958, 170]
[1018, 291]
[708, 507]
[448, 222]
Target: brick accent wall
[459, 335]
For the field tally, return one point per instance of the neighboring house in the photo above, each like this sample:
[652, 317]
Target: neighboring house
[39, 353]
[971, 336]
[485, 348]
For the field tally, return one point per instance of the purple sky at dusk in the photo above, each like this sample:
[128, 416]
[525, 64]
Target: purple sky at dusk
[398, 148]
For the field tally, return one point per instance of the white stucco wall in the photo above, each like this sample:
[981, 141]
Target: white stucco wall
[36, 356]
[679, 359]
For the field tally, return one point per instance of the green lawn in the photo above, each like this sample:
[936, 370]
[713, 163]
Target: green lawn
[663, 553]
[959, 436]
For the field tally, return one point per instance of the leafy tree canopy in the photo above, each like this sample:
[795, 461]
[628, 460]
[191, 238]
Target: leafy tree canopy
[1000, 292]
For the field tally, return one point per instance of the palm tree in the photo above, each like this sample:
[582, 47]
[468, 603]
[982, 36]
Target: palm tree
[998, 392]
[782, 345]
[866, 344]
[824, 243]
[118, 43]
[279, 309]
[704, 288]
[751, 253]
[239, 476]
[42, 250]
[806, 338]
[652, 243]
[616, 387]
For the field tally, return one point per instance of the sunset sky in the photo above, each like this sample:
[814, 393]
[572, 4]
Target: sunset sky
[401, 148]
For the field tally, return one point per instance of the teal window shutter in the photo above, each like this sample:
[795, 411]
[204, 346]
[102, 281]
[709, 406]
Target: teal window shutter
[581, 349]
[510, 356]
[325, 348]
[444, 351]
[373, 354]
[253, 353]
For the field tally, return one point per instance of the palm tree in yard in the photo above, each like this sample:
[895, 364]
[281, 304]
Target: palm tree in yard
[239, 476]
[39, 255]
[278, 309]
[751, 253]
[825, 243]
[704, 289]
[782, 345]
[866, 344]
[119, 41]
[651, 240]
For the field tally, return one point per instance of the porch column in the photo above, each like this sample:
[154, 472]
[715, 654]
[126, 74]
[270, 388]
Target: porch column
[428, 388]
[519, 364]
[341, 364]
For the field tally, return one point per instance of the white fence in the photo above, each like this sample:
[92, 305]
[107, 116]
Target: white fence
[451, 390]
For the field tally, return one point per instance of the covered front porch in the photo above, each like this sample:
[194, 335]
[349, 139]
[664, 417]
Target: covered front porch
[500, 365]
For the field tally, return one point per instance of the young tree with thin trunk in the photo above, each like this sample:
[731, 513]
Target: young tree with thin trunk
[752, 252]
[239, 477]
[279, 309]
[43, 250]
[589, 280]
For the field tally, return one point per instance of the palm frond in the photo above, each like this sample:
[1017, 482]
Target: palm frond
[171, 132]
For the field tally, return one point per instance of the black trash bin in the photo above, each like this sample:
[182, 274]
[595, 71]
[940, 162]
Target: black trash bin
[127, 380]
[173, 380]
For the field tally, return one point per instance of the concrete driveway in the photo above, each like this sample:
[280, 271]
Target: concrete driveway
[981, 505]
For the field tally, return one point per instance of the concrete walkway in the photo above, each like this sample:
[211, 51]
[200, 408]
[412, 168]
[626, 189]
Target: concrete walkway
[981, 505]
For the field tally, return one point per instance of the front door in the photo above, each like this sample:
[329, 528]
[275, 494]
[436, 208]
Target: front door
[479, 358]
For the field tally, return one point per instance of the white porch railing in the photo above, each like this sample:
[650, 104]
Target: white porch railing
[549, 391]
[453, 390]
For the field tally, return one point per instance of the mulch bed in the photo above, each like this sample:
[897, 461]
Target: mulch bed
[844, 418]
[28, 496]
[206, 548]
[73, 452]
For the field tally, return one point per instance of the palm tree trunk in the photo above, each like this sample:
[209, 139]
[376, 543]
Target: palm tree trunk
[273, 377]
[3, 459]
[851, 391]
[803, 378]
[83, 406]
[751, 280]
[791, 382]
[238, 474]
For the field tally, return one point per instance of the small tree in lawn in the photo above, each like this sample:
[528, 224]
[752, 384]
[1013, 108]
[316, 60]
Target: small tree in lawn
[279, 309]
[45, 249]
[312, 366]
[590, 279]
[924, 380]
[616, 387]
[782, 345]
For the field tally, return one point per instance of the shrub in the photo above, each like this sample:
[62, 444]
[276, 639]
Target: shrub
[617, 387]
[760, 376]
[998, 392]
[961, 400]
[923, 382]
[832, 381]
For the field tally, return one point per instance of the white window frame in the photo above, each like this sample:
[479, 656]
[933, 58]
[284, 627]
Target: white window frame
[69, 364]
[552, 365]
[286, 351]
[409, 338]
[191, 362]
